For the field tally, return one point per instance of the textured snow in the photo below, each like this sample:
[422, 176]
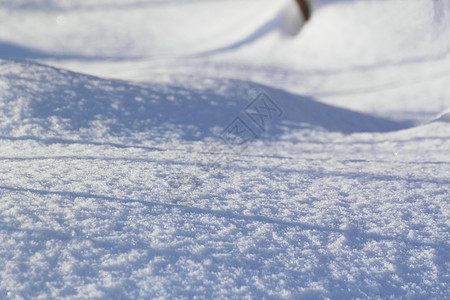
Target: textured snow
[120, 176]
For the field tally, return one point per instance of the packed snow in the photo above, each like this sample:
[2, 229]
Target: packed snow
[201, 149]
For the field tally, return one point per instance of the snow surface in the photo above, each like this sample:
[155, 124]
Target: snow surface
[122, 177]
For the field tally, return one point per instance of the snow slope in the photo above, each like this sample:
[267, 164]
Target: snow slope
[380, 57]
[110, 188]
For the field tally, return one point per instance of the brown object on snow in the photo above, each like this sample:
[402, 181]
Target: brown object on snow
[305, 9]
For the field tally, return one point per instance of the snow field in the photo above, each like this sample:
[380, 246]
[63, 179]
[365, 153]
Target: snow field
[125, 183]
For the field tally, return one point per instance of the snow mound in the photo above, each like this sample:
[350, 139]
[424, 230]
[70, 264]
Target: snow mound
[47, 102]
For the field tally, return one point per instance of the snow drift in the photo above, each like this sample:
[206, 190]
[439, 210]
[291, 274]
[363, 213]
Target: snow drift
[115, 189]
[48, 102]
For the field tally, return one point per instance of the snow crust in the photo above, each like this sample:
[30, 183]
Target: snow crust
[120, 175]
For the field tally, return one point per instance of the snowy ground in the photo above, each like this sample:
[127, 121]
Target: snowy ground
[122, 177]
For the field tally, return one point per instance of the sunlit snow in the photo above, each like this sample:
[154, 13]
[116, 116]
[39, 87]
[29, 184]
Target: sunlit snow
[202, 149]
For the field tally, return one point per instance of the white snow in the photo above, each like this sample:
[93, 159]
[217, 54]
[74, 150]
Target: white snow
[120, 175]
